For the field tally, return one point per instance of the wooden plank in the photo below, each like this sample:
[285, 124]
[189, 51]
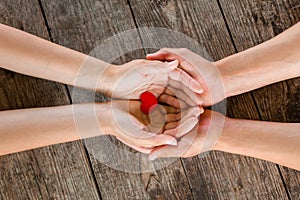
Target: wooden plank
[82, 26]
[218, 175]
[53, 172]
[259, 21]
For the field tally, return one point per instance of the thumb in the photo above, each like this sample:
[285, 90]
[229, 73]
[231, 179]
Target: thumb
[162, 55]
[166, 152]
[152, 140]
[184, 128]
[162, 67]
[136, 147]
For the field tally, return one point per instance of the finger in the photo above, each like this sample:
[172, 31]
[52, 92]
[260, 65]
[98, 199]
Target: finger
[172, 54]
[176, 85]
[172, 118]
[184, 148]
[171, 125]
[169, 109]
[183, 128]
[187, 126]
[157, 121]
[136, 147]
[155, 67]
[161, 55]
[156, 90]
[183, 77]
[191, 68]
[156, 140]
[189, 113]
[132, 131]
[172, 101]
[180, 54]
[180, 94]
[168, 151]
[169, 91]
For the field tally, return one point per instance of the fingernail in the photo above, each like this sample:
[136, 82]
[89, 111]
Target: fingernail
[199, 90]
[173, 63]
[202, 110]
[172, 142]
[152, 157]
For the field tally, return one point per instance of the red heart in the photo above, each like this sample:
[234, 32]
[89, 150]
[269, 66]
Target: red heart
[149, 102]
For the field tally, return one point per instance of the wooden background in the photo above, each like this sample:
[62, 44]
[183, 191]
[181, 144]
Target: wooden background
[223, 27]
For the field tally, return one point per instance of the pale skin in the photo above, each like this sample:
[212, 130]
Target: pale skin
[31, 128]
[237, 135]
[275, 60]
[26, 129]
[272, 141]
[27, 54]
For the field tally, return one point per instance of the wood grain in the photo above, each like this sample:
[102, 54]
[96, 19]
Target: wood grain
[218, 175]
[54, 172]
[259, 21]
[61, 171]
[83, 26]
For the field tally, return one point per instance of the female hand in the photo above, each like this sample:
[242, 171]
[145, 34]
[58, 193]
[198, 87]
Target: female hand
[144, 132]
[134, 128]
[193, 67]
[130, 80]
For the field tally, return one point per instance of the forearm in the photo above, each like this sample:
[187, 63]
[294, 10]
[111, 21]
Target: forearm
[26, 129]
[272, 141]
[272, 61]
[27, 54]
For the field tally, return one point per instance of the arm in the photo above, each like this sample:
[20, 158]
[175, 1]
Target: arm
[27, 54]
[272, 61]
[26, 129]
[271, 141]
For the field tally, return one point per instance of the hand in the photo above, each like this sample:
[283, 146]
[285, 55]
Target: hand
[193, 67]
[134, 128]
[130, 80]
[203, 137]
[144, 132]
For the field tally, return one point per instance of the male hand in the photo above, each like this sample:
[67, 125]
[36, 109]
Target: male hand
[193, 67]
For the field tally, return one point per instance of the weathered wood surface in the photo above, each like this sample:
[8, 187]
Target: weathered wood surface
[260, 21]
[82, 26]
[55, 172]
[62, 171]
[219, 175]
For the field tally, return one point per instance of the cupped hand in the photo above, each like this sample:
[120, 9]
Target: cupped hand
[140, 131]
[192, 71]
[202, 138]
[131, 79]
[143, 132]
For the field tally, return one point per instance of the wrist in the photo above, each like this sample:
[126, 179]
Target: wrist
[103, 112]
[227, 73]
[93, 74]
[108, 80]
[223, 142]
